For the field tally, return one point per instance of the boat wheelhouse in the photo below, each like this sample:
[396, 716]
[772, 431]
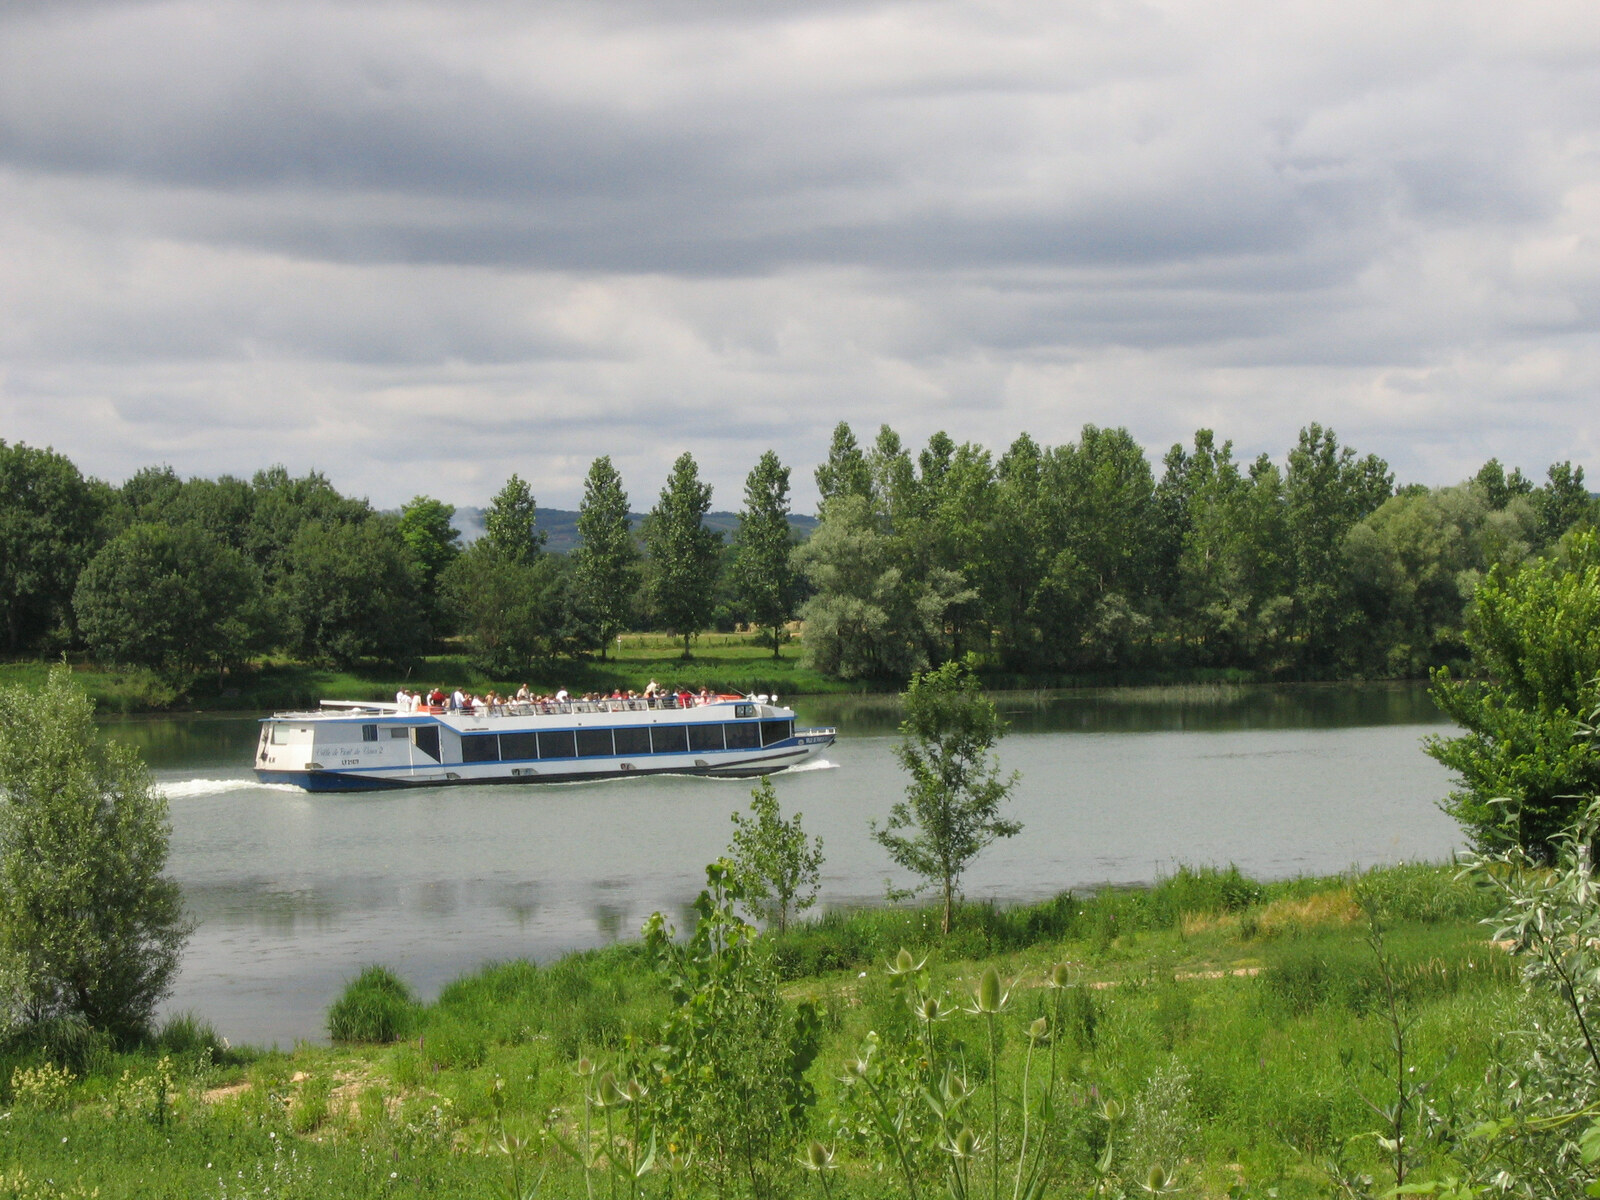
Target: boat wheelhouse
[352, 746]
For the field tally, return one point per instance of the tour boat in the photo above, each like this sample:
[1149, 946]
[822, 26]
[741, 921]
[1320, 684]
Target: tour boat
[354, 746]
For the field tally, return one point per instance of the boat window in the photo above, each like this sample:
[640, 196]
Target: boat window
[594, 743]
[705, 737]
[397, 731]
[283, 735]
[669, 739]
[369, 733]
[426, 739]
[515, 746]
[632, 740]
[744, 710]
[746, 735]
[480, 747]
[776, 731]
[557, 745]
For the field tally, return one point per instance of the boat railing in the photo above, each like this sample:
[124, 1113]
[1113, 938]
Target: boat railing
[523, 708]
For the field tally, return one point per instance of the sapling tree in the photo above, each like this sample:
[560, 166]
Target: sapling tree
[91, 928]
[776, 864]
[952, 805]
[727, 1076]
[1523, 770]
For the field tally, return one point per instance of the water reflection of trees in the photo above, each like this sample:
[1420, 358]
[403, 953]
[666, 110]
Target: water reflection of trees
[1179, 708]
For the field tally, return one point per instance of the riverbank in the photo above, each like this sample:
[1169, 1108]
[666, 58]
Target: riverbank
[1212, 1025]
[721, 662]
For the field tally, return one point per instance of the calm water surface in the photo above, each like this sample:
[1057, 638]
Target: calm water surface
[294, 893]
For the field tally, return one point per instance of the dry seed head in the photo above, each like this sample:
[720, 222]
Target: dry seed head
[1062, 975]
[609, 1093]
[1039, 1031]
[817, 1157]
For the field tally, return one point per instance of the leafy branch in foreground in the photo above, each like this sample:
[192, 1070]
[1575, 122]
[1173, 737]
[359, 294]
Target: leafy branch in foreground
[1541, 1129]
[91, 928]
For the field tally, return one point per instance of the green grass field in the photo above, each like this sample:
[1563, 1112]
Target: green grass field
[1239, 1026]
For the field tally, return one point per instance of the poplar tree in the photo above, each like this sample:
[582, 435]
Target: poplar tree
[606, 555]
[512, 522]
[846, 473]
[683, 552]
[765, 578]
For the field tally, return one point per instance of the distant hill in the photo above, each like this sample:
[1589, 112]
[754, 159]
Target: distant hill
[561, 525]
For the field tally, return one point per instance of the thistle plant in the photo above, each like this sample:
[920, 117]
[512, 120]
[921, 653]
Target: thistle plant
[989, 1001]
[916, 1094]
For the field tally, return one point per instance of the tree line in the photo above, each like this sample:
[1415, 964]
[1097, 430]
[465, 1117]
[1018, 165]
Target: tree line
[1042, 560]
[1077, 558]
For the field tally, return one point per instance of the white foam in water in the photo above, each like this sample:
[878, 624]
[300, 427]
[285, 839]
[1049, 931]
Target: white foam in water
[179, 789]
[819, 764]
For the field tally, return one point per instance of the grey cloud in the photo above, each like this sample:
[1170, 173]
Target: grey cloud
[456, 240]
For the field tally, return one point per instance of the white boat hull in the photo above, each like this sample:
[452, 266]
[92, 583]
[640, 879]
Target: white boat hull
[349, 747]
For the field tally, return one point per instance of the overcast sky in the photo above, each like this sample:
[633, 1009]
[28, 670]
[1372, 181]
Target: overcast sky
[420, 246]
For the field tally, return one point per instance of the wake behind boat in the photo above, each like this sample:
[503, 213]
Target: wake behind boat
[355, 746]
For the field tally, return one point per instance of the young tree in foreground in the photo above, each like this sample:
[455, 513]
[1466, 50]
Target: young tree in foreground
[952, 805]
[606, 554]
[1535, 639]
[765, 578]
[776, 864]
[90, 927]
[683, 552]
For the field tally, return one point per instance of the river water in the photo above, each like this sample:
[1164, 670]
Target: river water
[293, 893]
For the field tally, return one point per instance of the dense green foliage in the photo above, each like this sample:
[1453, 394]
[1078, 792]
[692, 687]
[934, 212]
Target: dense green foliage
[172, 598]
[49, 527]
[1535, 636]
[604, 562]
[90, 927]
[1047, 561]
[766, 581]
[683, 553]
[952, 805]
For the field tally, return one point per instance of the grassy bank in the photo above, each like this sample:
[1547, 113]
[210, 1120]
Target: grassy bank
[721, 662]
[1231, 1022]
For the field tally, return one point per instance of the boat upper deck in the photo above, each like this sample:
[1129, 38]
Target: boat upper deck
[347, 709]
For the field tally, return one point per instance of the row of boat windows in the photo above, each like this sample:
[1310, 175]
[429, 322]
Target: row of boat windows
[626, 742]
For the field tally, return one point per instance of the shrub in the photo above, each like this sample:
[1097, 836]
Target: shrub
[376, 1006]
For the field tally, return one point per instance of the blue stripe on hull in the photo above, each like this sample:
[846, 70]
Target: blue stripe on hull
[338, 781]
